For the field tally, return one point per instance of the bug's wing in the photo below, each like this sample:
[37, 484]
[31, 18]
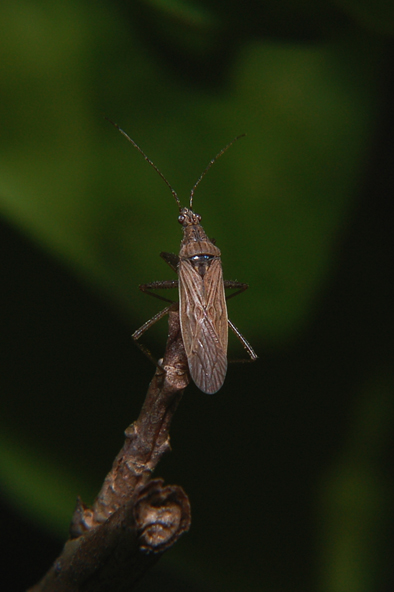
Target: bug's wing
[203, 314]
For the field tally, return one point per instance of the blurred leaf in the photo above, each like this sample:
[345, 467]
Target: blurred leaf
[356, 504]
[377, 17]
[285, 191]
[38, 485]
[278, 203]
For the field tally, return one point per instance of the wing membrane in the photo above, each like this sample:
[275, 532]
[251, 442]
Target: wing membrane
[203, 314]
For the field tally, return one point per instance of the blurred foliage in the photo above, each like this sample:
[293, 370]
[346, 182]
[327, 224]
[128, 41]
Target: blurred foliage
[302, 79]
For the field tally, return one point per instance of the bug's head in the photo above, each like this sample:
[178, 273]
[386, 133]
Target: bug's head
[188, 218]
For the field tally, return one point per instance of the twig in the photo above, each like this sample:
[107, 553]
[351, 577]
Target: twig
[134, 519]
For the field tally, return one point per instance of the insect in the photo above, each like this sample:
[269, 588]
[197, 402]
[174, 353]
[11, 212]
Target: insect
[202, 300]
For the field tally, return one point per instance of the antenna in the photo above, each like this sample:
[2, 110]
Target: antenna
[208, 167]
[150, 162]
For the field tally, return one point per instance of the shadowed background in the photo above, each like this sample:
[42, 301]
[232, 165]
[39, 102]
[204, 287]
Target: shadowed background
[288, 467]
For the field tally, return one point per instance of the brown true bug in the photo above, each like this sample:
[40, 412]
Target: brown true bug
[202, 301]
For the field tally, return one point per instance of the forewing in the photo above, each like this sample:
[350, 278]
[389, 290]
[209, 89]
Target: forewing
[203, 314]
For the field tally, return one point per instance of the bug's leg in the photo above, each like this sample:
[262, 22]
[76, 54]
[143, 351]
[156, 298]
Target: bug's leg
[137, 334]
[160, 285]
[171, 259]
[239, 286]
[246, 344]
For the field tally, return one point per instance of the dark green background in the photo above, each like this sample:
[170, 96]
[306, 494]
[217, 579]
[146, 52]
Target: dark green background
[287, 467]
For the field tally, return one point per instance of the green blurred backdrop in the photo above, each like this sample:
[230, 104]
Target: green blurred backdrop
[287, 467]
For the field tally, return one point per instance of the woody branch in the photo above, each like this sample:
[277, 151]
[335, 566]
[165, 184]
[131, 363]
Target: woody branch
[134, 518]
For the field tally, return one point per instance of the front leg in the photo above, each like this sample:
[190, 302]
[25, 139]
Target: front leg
[171, 259]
